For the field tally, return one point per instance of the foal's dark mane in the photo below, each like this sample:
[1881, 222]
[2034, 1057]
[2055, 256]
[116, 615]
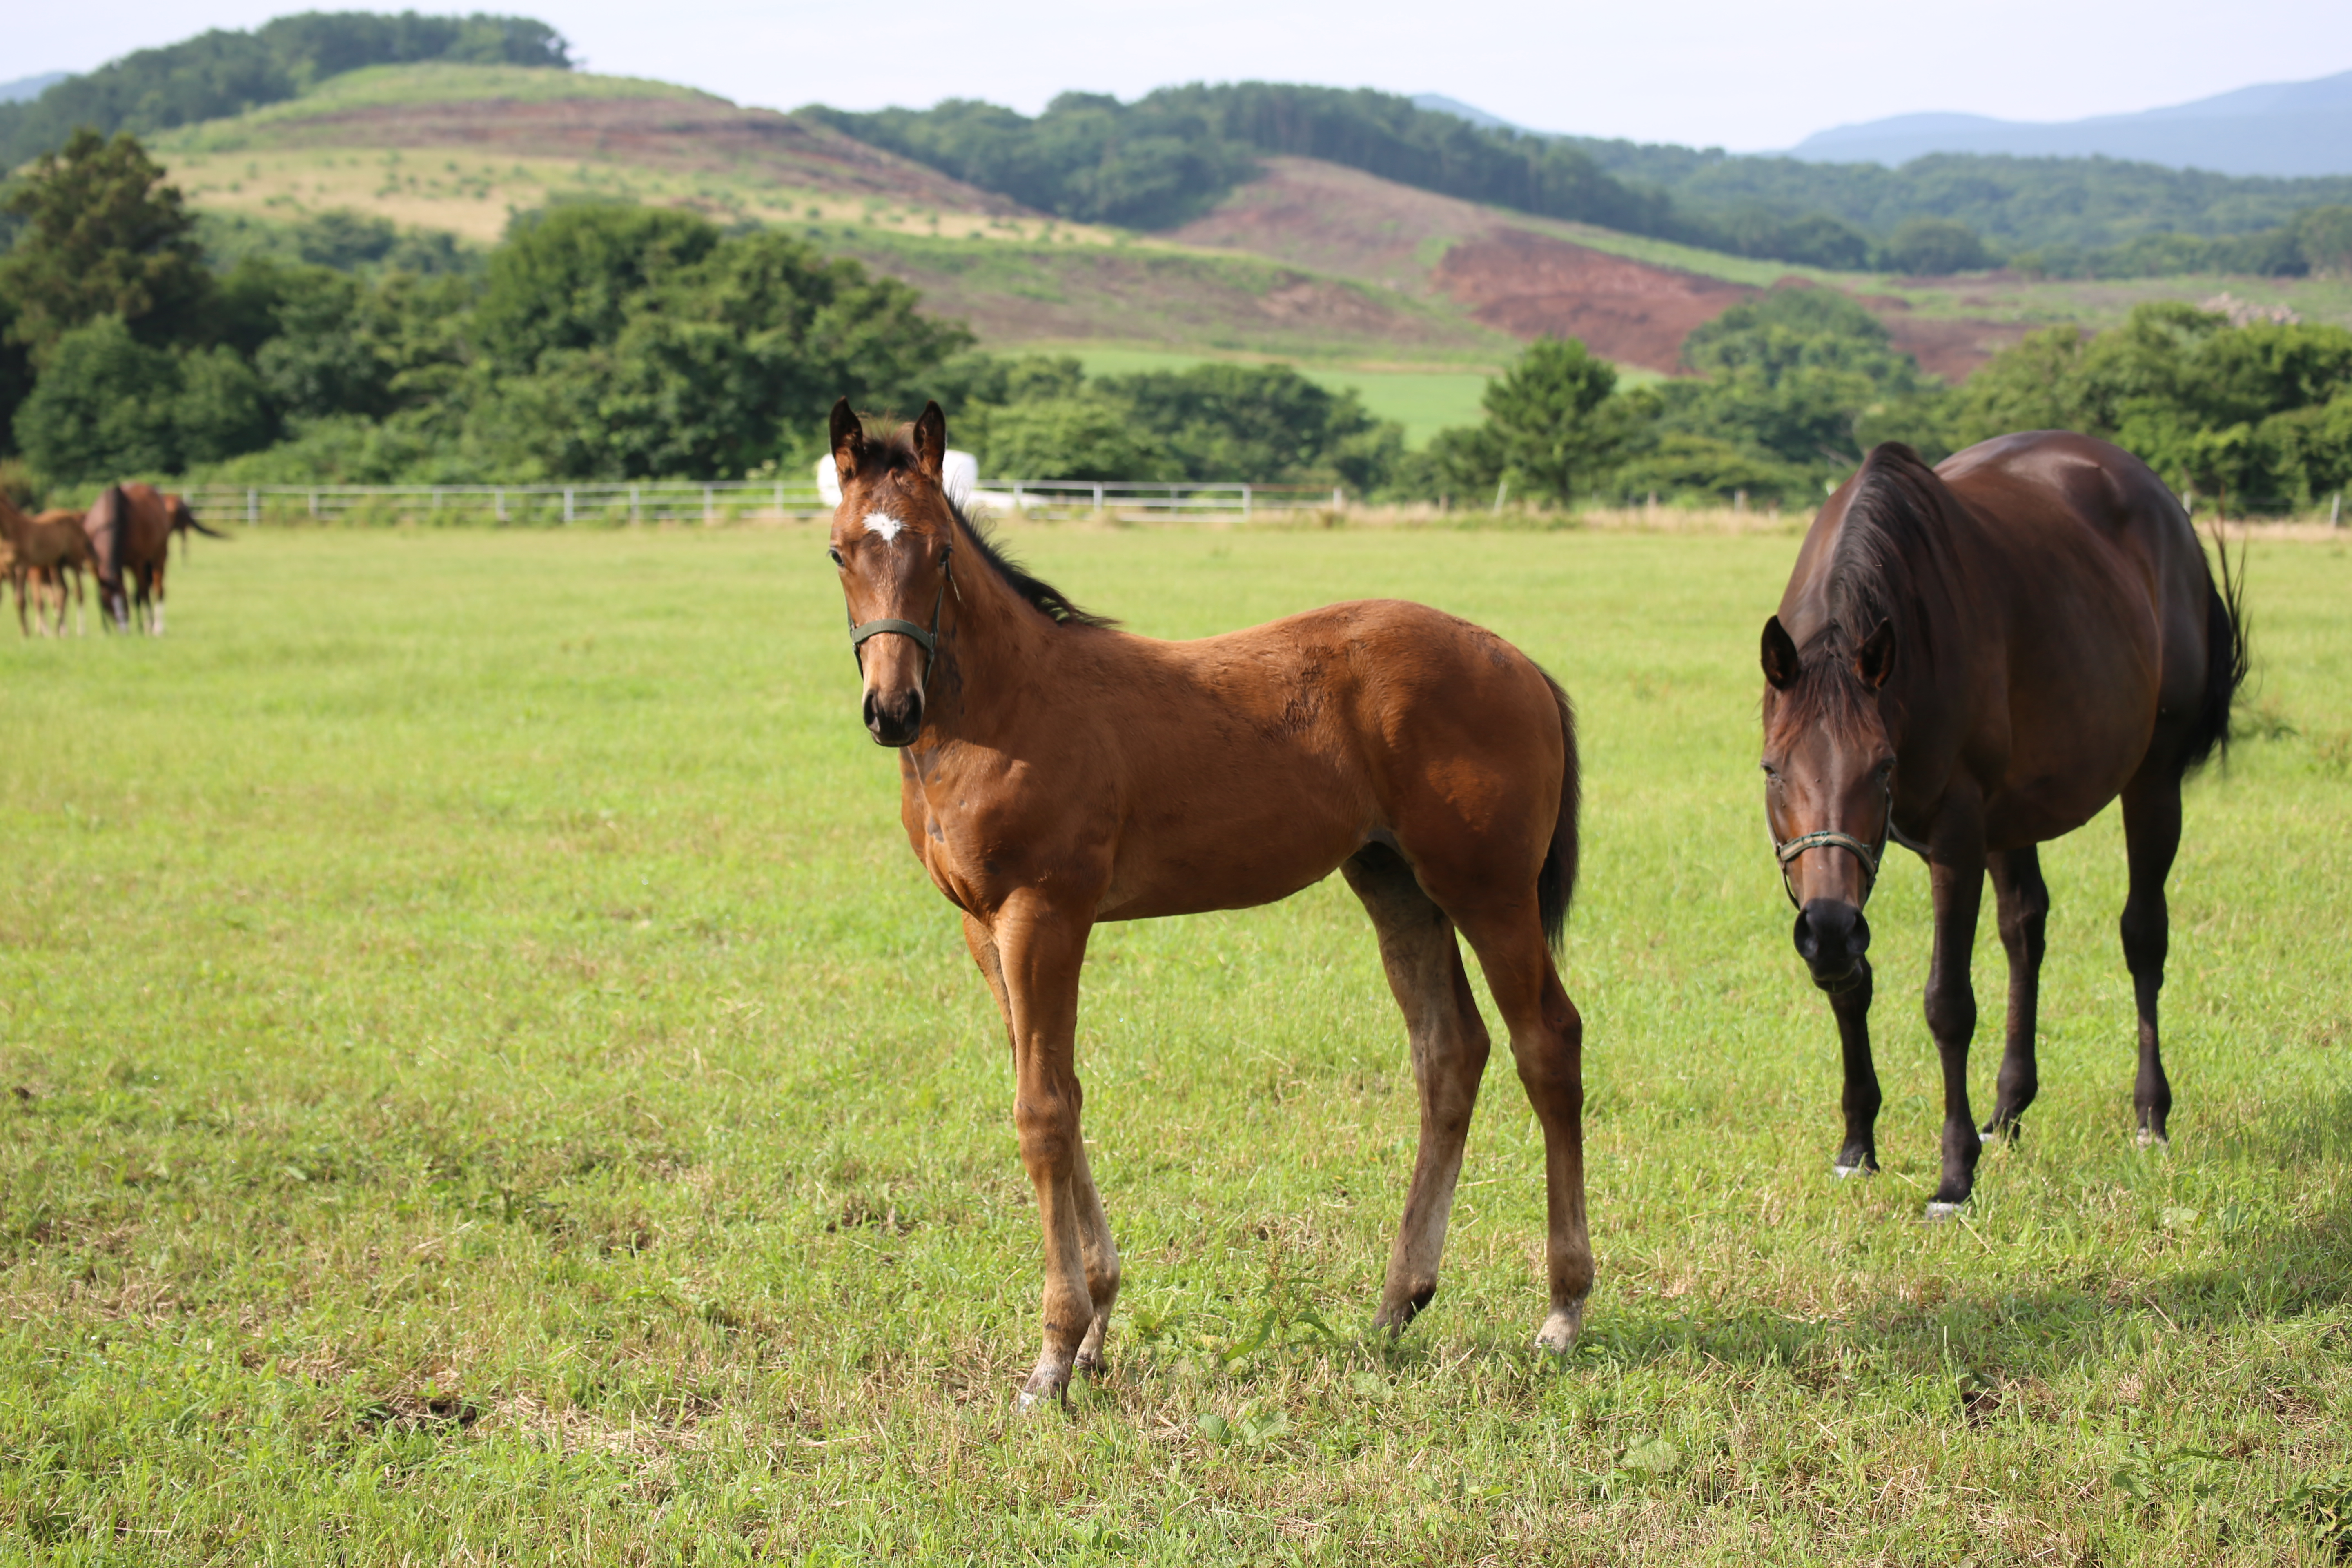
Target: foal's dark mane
[896, 454]
[1893, 520]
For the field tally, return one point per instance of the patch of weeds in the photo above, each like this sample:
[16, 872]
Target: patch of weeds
[2321, 1508]
[1249, 1429]
[2147, 1474]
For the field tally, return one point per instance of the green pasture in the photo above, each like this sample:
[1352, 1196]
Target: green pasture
[1423, 401]
[482, 1078]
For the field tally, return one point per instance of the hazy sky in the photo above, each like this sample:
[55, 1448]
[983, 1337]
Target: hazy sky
[1746, 75]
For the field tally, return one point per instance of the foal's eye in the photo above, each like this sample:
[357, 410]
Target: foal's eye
[834, 552]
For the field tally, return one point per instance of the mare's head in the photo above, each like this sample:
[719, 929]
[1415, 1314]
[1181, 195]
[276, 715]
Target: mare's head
[1829, 768]
[893, 535]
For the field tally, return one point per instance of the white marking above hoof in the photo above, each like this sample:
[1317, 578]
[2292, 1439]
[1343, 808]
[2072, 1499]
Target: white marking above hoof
[1843, 1172]
[1557, 1335]
[1940, 1210]
[1024, 1402]
[2150, 1139]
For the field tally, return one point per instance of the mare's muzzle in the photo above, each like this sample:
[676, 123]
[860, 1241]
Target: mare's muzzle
[1832, 937]
[896, 718]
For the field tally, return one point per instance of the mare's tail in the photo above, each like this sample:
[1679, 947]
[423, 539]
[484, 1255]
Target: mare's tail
[1556, 882]
[2226, 659]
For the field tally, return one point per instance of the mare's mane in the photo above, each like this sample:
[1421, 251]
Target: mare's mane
[894, 453]
[1894, 521]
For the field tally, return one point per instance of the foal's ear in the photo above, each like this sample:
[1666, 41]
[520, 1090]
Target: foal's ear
[848, 439]
[931, 441]
[1779, 656]
[1875, 657]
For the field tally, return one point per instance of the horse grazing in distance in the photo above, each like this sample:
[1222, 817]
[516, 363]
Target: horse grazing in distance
[44, 550]
[1055, 773]
[130, 529]
[1971, 660]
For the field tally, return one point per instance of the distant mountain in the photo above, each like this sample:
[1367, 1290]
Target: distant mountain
[1438, 103]
[2278, 128]
[25, 88]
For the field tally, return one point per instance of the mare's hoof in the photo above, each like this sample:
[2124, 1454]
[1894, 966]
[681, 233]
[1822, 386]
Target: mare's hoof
[2149, 1138]
[1843, 1171]
[1943, 1208]
[1559, 1333]
[1025, 1403]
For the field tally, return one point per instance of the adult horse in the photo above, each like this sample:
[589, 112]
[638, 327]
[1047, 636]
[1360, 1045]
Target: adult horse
[1055, 773]
[130, 529]
[1974, 659]
[44, 550]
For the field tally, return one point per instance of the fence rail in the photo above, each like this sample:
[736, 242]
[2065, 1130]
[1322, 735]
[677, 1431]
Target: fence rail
[723, 500]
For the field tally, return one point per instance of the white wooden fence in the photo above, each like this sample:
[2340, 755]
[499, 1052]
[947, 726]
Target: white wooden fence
[722, 500]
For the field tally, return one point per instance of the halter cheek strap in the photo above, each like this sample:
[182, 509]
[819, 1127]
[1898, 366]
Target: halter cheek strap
[927, 639]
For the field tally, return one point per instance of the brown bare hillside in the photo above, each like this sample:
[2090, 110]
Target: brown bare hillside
[682, 134]
[1518, 274]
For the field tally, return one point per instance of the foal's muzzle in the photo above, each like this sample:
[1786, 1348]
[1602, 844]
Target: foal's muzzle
[895, 721]
[1832, 936]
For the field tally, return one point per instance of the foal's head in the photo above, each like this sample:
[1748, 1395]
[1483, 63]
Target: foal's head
[1829, 770]
[893, 534]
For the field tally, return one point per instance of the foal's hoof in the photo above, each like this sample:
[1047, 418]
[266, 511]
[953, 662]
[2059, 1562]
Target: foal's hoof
[2149, 1138]
[1943, 1208]
[1559, 1333]
[1843, 1171]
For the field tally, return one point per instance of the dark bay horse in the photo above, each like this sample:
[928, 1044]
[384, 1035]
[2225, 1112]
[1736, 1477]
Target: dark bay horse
[130, 529]
[1974, 659]
[1055, 773]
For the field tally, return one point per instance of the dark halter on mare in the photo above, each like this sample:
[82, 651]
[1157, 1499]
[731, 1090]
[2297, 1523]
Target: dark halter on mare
[1870, 855]
[927, 640]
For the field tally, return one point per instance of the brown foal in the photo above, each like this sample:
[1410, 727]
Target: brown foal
[1974, 659]
[1055, 773]
[45, 548]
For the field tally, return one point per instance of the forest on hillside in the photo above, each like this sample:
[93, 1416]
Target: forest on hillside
[605, 340]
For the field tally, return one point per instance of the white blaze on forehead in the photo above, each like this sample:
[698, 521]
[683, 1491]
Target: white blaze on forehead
[883, 524]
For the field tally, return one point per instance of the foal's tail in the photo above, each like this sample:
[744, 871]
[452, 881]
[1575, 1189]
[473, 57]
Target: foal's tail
[1556, 882]
[2226, 659]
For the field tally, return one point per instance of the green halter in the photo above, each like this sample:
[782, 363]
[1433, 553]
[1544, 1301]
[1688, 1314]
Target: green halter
[929, 640]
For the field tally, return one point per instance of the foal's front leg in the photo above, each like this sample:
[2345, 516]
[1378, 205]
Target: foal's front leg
[1039, 948]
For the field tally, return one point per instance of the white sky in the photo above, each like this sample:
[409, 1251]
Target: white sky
[1744, 74]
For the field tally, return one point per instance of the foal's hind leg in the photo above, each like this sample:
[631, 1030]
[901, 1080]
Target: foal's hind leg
[2151, 838]
[1449, 1045]
[2023, 901]
[1548, 1042]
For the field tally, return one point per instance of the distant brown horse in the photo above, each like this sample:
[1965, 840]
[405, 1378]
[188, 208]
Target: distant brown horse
[45, 550]
[130, 529]
[1972, 660]
[1055, 773]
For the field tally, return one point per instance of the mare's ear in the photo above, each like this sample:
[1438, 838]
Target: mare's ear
[931, 441]
[848, 439]
[1779, 656]
[1875, 657]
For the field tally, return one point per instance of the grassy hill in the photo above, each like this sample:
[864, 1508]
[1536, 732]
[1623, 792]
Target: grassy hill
[1412, 293]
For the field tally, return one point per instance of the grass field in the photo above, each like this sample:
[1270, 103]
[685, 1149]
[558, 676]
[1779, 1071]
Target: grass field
[484, 1079]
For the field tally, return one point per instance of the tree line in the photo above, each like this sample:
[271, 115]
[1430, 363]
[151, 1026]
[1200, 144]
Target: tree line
[613, 342]
[223, 73]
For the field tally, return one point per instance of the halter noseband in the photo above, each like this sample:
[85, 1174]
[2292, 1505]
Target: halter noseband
[927, 640]
[1870, 855]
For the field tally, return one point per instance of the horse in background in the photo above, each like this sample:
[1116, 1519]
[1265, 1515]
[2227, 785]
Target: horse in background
[1971, 660]
[1055, 773]
[43, 551]
[129, 528]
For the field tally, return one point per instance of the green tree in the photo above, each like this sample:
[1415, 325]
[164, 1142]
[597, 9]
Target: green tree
[105, 237]
[569, 277]
[1934, 246]
[107, 405]
[1551, 418]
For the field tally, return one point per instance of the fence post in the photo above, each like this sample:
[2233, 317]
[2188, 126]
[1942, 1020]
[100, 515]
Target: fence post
[1502, 489]
[1098, 501]
[1338, 499]
[634, 514]
[705, 506]
[1016, 495]
[567, 506]
[2336, 511]
[780, 500]
[499, 502]
[314, 504]
[252, 506]
[1246, 503]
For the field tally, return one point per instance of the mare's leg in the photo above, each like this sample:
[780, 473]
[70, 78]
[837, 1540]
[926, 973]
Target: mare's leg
[1958, 884]
[1548, 1042]
[2151, 836]
[1449, 1045]
[1850, 1005]
[1034, 954]
[2023, 901]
